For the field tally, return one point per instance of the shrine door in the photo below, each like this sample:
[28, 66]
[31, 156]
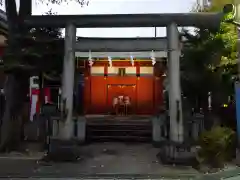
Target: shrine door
[116, 90]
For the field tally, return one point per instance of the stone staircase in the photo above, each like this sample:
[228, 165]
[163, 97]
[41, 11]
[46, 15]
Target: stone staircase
[131, 129]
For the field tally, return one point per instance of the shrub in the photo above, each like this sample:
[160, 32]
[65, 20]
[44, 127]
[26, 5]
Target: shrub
[215, 146]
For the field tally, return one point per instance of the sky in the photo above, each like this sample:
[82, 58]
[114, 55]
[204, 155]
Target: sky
[118, 7]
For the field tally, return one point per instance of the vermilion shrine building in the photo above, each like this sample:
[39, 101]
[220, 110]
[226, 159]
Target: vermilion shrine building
[140, 80]
[125, 68]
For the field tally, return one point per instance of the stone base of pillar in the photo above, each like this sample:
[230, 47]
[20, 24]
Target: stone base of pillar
[195, 131]
[156, 130]
[55, 127]
[177, 153]
[81, 129]
[62, 151]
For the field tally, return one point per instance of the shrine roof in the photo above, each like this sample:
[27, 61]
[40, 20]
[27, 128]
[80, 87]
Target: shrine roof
[99, 44]
[117, 55]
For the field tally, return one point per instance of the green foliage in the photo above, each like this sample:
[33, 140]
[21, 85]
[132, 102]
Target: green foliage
[41, 49]
[37, 50]
[228, 16]
[209, 59]
[215, 146]
[217, 5]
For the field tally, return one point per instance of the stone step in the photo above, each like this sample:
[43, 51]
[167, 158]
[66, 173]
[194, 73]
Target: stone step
[120, 138]
[133, 133]
[129, 123]
[119, 130]
[122, 133]
[118, 127]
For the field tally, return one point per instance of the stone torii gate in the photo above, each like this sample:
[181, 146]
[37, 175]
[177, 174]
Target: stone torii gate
[171, 21]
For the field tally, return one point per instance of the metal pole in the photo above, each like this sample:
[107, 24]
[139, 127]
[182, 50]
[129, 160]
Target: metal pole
[66, 128]
[155, 31]
[175, 102]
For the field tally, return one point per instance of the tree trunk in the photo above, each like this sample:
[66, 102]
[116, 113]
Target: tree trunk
[16, 88]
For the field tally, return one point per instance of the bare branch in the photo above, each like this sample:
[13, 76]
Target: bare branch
[81, 2]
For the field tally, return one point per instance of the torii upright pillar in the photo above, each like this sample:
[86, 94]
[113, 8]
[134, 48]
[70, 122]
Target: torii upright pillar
[175, 103]
[66, 127]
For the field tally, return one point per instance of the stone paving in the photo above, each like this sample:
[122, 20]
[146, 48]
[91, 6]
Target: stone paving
[81, 178]
[106, 161]
[118, 160]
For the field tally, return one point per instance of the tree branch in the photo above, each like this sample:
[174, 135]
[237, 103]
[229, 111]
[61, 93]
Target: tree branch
[81, 2]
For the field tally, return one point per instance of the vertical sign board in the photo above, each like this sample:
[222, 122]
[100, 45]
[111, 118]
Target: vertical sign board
[237, 97]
